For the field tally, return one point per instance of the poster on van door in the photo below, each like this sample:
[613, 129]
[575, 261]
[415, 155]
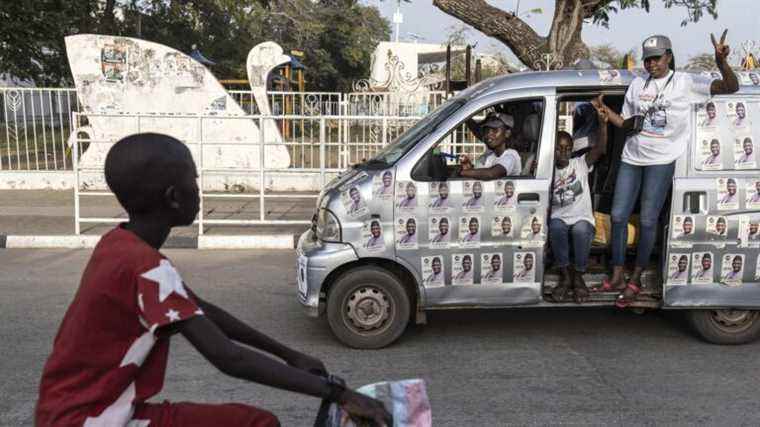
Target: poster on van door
[372, 236]
[532, 232]
[433, 271]
[406, 233]
[749, 232]
[491, 269]
[462, 269]
[505, 196]
[439, 232]
[709, 151]
[469, 231]
[753, 194]
[678, 269]
[523, 267]
[732, 269]
[683, 227]
[474, 199]
[440, 202]
[382, 186]
[728, 193]
[738, 116]
[502, 226]
[707, 116]
[744, 153]
[353, 202]
[716, 226]
[702, 268]
[406, 196]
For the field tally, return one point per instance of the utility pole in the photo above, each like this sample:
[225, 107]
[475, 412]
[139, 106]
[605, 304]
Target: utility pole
[398, 18]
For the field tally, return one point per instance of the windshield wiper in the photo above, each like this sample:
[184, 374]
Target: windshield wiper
[372, 164]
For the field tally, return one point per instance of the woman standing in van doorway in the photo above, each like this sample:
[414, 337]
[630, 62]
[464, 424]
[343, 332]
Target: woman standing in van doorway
[655, 117]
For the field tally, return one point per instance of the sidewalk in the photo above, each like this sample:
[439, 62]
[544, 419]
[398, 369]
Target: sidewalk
[45, 218]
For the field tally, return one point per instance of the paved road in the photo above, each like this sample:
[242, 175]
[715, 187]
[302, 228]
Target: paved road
[502, 367]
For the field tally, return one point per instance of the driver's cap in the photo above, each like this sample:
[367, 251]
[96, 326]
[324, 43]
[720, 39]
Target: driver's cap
[497, 120]
[655, 46]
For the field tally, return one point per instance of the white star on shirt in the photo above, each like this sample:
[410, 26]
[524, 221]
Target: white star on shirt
[168, 280]
[173, 315]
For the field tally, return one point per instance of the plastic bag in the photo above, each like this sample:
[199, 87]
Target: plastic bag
[407, 400]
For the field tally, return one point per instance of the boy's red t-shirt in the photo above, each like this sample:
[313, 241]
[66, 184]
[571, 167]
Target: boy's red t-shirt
[111, 350]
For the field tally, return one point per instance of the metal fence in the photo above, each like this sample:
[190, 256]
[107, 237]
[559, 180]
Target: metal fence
[36, 124]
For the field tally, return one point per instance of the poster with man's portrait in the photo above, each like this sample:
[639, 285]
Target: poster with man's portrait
[505, 196]
[372, 236]
[749, 231]
[439, 231]
[728, 193]
[523, 267]
[469, 231]
[433, 271]
[744, 153]
[474, 196]
[683, 227]
[532, 232]
[462, 271]
[353, 202]
[732, 269]
[406, 196]
[678, 269]
[753, 194]
[702, 268]
[707, 115]
[738, 116]
[709, 154]
[382, 186]
[502, 226]
[439, 194]
[491, 269]
[716, 226]
[406, 233]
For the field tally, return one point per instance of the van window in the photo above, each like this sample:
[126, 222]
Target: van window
[466, 140]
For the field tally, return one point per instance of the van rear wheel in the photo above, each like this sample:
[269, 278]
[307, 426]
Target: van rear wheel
[368, 308]
[726, 326]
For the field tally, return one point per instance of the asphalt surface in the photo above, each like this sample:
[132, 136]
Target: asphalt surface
[500, 367]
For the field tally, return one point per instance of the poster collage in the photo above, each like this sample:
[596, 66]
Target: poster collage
[484, 211]
[717, 151]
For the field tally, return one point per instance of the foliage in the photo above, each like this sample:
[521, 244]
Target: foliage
[609, 55]
[337, 37]
[701, 62]
[695, 9]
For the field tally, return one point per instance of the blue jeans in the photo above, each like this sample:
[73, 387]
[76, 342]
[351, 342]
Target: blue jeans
[583, 234]
[653, 182]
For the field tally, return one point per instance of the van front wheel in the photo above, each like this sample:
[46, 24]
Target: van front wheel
[726, 326]
[367, 308]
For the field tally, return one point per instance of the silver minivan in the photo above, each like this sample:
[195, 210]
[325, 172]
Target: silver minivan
[395, 237]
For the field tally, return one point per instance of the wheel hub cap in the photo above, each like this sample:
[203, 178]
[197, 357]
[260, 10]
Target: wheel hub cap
[368, 308]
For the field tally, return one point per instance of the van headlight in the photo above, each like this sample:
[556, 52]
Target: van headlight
[328, 226]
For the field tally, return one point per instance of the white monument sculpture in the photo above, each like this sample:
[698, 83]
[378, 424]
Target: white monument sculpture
[119, 77]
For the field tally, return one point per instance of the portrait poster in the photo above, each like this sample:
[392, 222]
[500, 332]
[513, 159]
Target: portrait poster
[732, 269]
[433, 271]
[716, 226]
[532, 231]
[744, 153]
[439, 231]
[523, 267]
[678, 269]
[440, 197]
[491, 269]
[738, 116]
[406, 232]
[382, 186]
[702, 268]
[473, 196]
[709, 152]
[462, 270]
[749, 232]
[354, 203]
[406, 196]
[707, 117]
[469, 231]
[505, 196]
[502, 226]
[728, 193]
[683, 226]
[372, 236]
[753, 194]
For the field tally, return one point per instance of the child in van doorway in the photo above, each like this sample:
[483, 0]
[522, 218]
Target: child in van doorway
[572, 217]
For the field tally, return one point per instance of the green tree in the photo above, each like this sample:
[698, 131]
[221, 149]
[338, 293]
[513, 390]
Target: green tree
[702, 62]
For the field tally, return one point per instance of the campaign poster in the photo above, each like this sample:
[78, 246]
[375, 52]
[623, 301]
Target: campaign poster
[707, 116]
[744, 153]
[683, 226]
[753, 194]
[709, 152]
[353, 202]
[716, 226]
[113, 62]
[372, 236]
[750, 78]
[439, 231]
[757, 269]
[678, 269]
[469, 231]
[532, 231]
[406, 233]
[406, 196]
[502, 226]
[440, 202]
[473, 195]
[749, 235]
[702, 268]
[523, 267]
[433, 271]
[382, 186]
[505, 196]
[728, 194]
[732, 269]
[738, 116]
[610, 77]
[462, 269]
[491, 269]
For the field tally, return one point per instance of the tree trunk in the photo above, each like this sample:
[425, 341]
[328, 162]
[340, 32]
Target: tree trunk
[107, 23]
[562, 47]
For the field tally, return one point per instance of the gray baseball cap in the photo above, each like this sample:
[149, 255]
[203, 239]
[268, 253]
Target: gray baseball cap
[655, 46]
[497, 120]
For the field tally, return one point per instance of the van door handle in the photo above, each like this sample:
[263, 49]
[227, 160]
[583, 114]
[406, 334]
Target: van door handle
[694, 201]
[528, 198]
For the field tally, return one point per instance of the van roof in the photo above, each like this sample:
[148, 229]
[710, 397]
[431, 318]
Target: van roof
[580, 79]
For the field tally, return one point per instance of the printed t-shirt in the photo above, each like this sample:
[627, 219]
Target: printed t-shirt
[666, 131]
[571, 199]
[111, 349]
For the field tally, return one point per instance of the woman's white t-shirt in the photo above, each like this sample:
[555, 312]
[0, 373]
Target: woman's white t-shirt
[666, 130]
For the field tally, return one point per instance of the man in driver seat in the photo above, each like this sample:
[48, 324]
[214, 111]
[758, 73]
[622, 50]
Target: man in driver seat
[500, 159]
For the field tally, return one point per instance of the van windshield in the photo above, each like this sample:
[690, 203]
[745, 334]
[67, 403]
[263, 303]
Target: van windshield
[396, 149]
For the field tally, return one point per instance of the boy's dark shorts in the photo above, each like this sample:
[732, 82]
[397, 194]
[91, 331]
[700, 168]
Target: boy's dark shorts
[187, 414]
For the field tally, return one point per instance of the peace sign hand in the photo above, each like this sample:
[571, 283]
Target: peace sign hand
[721, 48]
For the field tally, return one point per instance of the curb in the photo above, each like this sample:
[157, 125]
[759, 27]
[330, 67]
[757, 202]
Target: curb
[255, 241]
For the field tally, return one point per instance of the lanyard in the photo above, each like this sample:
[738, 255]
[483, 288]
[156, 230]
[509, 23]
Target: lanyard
[660, 91]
